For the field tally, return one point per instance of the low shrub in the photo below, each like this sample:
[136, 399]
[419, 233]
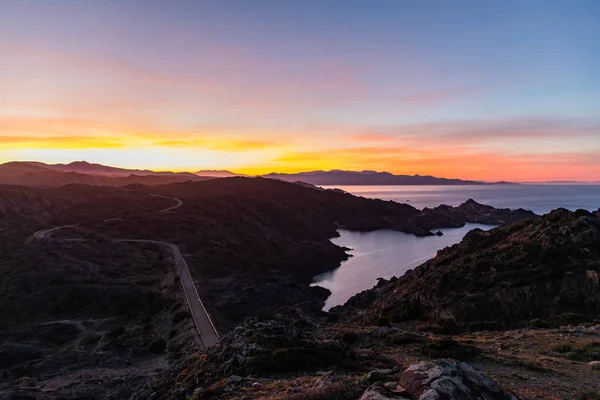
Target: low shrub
[401, 338]
[540, 324]
[449, 348]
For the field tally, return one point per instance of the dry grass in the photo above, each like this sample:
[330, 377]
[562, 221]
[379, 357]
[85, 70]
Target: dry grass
[579, 351]
[343, 389]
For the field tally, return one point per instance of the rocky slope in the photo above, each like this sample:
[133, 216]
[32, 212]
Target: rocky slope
[544, 268]
[72, 312]
[441, 332]
[89, 316]
[254, 244]
[292, 357]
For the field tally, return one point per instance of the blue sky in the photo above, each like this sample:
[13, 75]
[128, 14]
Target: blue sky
[272, 85]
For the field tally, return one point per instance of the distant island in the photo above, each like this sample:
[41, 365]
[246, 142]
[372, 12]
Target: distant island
[33, 173]
[339, 177]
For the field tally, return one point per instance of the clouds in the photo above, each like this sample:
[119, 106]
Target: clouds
[533, 148]
[441, 90]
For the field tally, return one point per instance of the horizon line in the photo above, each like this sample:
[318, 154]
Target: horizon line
[226, 170]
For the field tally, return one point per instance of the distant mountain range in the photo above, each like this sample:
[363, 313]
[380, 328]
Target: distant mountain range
[338, 177]
[84, 167]
[217, 173]
[32, 173]
[40, 174]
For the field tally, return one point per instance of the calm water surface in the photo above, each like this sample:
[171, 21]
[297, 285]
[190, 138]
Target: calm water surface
[381, 254]
[386, 253]
[538, 198]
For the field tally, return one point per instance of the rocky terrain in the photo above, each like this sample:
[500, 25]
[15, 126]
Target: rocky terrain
[507, 312]
[254, 244]
[544, 268]
[81, 317]
[545, 346]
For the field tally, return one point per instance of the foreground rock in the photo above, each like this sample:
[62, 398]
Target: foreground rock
[288, 343]
[446, 379]
[439, 380]
[539, 269]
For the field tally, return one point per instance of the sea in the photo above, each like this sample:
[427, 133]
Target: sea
[387, 253]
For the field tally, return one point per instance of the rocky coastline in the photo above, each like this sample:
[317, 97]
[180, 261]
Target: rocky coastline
[501, 315]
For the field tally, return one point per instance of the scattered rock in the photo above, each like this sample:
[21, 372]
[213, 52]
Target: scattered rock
[379, 393]
[395, 388]
[594, 365]
[321, 382]
[235, 379]
[325, 373]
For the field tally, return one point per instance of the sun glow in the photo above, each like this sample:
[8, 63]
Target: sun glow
[168, 93]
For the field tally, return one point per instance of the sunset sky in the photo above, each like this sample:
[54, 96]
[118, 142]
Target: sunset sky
[486, 90]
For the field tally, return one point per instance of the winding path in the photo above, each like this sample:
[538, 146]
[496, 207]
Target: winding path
[204, 325]
[179, 202]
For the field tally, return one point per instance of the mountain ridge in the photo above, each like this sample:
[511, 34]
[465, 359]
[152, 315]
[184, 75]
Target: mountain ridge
[367, 177]
[35, 173]
[40, 174]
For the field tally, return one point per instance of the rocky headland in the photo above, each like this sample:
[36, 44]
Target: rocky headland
[544, 268]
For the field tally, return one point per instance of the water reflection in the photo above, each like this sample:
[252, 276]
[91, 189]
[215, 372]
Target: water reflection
[382, 254]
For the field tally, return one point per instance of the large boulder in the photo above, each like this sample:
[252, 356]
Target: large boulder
[447, 379]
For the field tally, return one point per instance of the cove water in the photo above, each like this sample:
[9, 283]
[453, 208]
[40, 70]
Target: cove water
[387, 253]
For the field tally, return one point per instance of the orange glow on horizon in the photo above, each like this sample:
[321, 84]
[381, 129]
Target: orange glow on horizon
[261, 156]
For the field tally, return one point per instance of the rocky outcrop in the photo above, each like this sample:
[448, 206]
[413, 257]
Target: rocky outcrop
[446, 379]
[288, 343]
[474, 212]
[439, 380]
[545, 268]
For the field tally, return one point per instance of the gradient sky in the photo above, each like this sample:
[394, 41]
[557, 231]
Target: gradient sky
[488, 90]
